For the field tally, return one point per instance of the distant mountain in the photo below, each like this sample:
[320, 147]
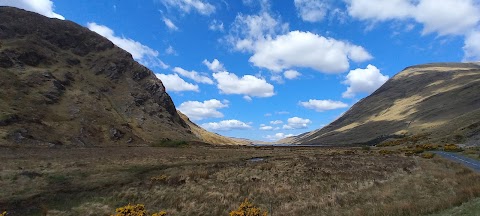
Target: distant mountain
[64, 85]
[439, 102]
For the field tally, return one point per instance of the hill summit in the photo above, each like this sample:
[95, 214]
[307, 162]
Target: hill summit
[64, 85]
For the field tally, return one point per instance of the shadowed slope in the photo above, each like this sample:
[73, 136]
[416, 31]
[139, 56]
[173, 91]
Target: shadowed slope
[62, 84]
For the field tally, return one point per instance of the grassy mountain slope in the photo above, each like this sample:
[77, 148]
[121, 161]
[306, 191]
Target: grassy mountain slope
[438, 101]
[212, 138]
[62, 84]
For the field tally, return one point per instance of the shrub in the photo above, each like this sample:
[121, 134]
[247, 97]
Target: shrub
[452, 148]
[248, 209]
[170, 143]
[134, 210]
[131, 210]
[3, 214]
[427, 155]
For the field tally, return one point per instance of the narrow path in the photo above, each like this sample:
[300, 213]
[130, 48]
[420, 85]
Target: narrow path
[469, 162]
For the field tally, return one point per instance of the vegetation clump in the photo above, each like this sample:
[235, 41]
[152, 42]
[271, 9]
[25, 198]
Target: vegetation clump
[452, 148]
[428, 155]
[170, 143]
[134, 210]
[247, 208]
[3, 213]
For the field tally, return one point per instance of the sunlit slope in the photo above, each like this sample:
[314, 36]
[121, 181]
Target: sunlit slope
[441, 101]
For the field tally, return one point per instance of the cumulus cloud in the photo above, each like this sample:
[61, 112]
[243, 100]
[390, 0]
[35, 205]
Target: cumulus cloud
[193, 75]
[312, 10]
[449, 17]
[363, 81]
[170, 24]
[472, 46]
[174, 83]
[226, 125]
[143, 54]
[308, 50]
[278, 136]
[296, 123]
[323, 105]
[197, 110]
[215, 65]
[229, 83]
[43, 7]
[186, 6]
[291, 74]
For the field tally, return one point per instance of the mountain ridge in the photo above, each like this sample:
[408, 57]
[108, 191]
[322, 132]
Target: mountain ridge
[436, 100]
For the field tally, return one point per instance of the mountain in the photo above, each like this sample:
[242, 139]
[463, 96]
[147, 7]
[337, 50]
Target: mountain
[212, 138]
[437, 102]
[64, 85]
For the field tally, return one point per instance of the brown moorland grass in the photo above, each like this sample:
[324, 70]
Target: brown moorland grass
[215, 180]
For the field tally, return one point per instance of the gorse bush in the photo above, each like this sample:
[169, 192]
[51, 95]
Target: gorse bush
[452, 148]
[427, 155]
[134, 210]
[248, 209]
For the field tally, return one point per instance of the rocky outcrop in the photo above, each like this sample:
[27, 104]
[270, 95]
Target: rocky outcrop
[62, 84]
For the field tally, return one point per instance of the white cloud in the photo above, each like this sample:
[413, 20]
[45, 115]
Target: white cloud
[174, 83]
[247, 30]
[472, 47]
[379, 10]
[187, 6]
[247, 98]
[447, 17]
[143, 54]
[216, 25]
[226, 125]
[170, 51]
[363, 80]
[170, 24]
[305, 49]
[229, 83]
[197, 110]
[291, 74]
[266, 128]
[297, 123]
[277, 78]
[214, 66]
[43, 7]
[278, 136]
[194, 75]
[276, 122]
[323, 105]
[312, 10]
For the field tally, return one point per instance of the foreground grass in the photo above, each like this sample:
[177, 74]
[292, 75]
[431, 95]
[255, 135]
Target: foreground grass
[213, 181]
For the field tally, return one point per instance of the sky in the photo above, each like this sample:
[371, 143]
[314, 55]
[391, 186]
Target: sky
[269, 69]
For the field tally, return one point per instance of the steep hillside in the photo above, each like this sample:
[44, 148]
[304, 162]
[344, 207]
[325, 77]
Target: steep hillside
[62, 84]
[439, 101]
[212, 138]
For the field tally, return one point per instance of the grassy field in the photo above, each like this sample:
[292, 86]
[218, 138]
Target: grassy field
[215, 180]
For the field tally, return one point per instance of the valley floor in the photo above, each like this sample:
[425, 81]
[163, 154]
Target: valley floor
[215, 180]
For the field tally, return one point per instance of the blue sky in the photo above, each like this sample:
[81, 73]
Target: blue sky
[268, 69]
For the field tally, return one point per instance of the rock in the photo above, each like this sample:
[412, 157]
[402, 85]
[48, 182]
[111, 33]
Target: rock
[8, 119]
[115, 134]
